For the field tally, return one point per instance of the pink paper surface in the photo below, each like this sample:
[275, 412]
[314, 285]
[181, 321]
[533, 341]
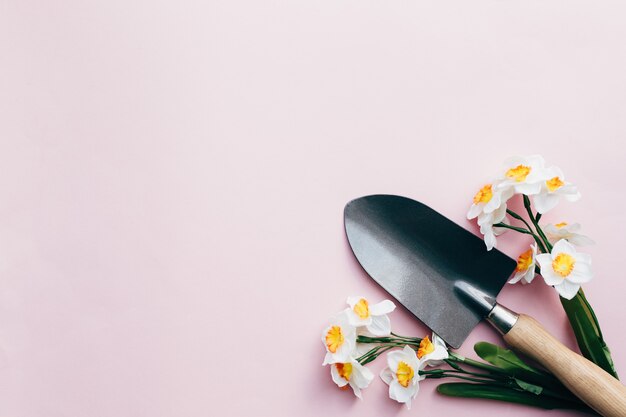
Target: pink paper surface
[173, 175]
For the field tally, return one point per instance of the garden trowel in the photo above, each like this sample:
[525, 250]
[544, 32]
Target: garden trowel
[444, 275]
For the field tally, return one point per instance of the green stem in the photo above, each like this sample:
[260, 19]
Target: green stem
[518, 217]
[494, 376]
[397, 336]
[530, 229]
[508, 226]
[587, 330]
[466, 378]
[476, 364]
[373, 354]
[387, 339]
[535, 222]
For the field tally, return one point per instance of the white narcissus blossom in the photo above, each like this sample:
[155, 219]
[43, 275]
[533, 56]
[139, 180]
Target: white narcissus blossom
[488, 199]
[351, 373]
[565, 269]
[432, 353]
[556, 232]
[524, 174]
[372, 316]
[489, 206]
[552, 189]
[525, 269]
[402, 375]
[339, 338]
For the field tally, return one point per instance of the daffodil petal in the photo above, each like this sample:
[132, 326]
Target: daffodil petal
[528, 189]
[516, 278]
[438, 340]
[401, 394]
[410, 355]
[552, 172]
[394, 358]
[544, 260]
[545, 202]
[357, 391]
[529, 276]
[344, 352]
[490, 240]
[580, 240]
[474, 211]
[583, 258]
[574, 227]
[384, 307]
[353, 300]
[362, 348]
[545, 263]
[361, 376]
[563, 246]
[567, 289]
[493, 204]
[537, 161]
[386, 375]
[573, 197]
[436, 357]
[500, 214]
[380, 325]
[582, 273]
[355, 320]
[337, 379]
[551, 278]
[567, 189]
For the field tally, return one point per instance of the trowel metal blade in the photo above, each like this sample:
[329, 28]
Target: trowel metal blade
[422, 259]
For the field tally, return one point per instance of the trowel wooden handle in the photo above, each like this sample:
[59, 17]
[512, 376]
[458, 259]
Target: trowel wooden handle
[585, 379]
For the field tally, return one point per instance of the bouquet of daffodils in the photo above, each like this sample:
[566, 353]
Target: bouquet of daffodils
[362, 332]
[553, 254]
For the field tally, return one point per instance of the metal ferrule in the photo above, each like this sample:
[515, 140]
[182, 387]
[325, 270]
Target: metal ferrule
[502, 318]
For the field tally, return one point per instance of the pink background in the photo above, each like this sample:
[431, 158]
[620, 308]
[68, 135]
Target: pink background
[173, 175]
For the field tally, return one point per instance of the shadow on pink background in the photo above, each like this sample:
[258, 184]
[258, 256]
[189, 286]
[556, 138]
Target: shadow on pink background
[173, 176]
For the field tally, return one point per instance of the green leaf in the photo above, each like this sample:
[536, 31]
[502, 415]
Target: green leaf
[514, 366]
[533, 389]
[500, 393]
[503, 358]
[587, 331]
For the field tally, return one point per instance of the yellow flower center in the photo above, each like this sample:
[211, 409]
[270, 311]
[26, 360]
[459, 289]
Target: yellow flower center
[334, 339]
[560, 225]
[519, 173]
[524, 261]
[362, 308]
[483, 195]
[344, 370]
[554, 184]
[563, 264]
[426, 347]
[404, 374]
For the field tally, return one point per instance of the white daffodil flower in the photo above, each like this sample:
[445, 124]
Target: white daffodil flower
[339, 338]
[565, 269]
[372, 316]
[402, 375]
[556, 232]
[489, 206]
[486, 223]
[525, 270]
[552, 189]
[432, 353]
[488, 199]
[524, 174]
[351, 373]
